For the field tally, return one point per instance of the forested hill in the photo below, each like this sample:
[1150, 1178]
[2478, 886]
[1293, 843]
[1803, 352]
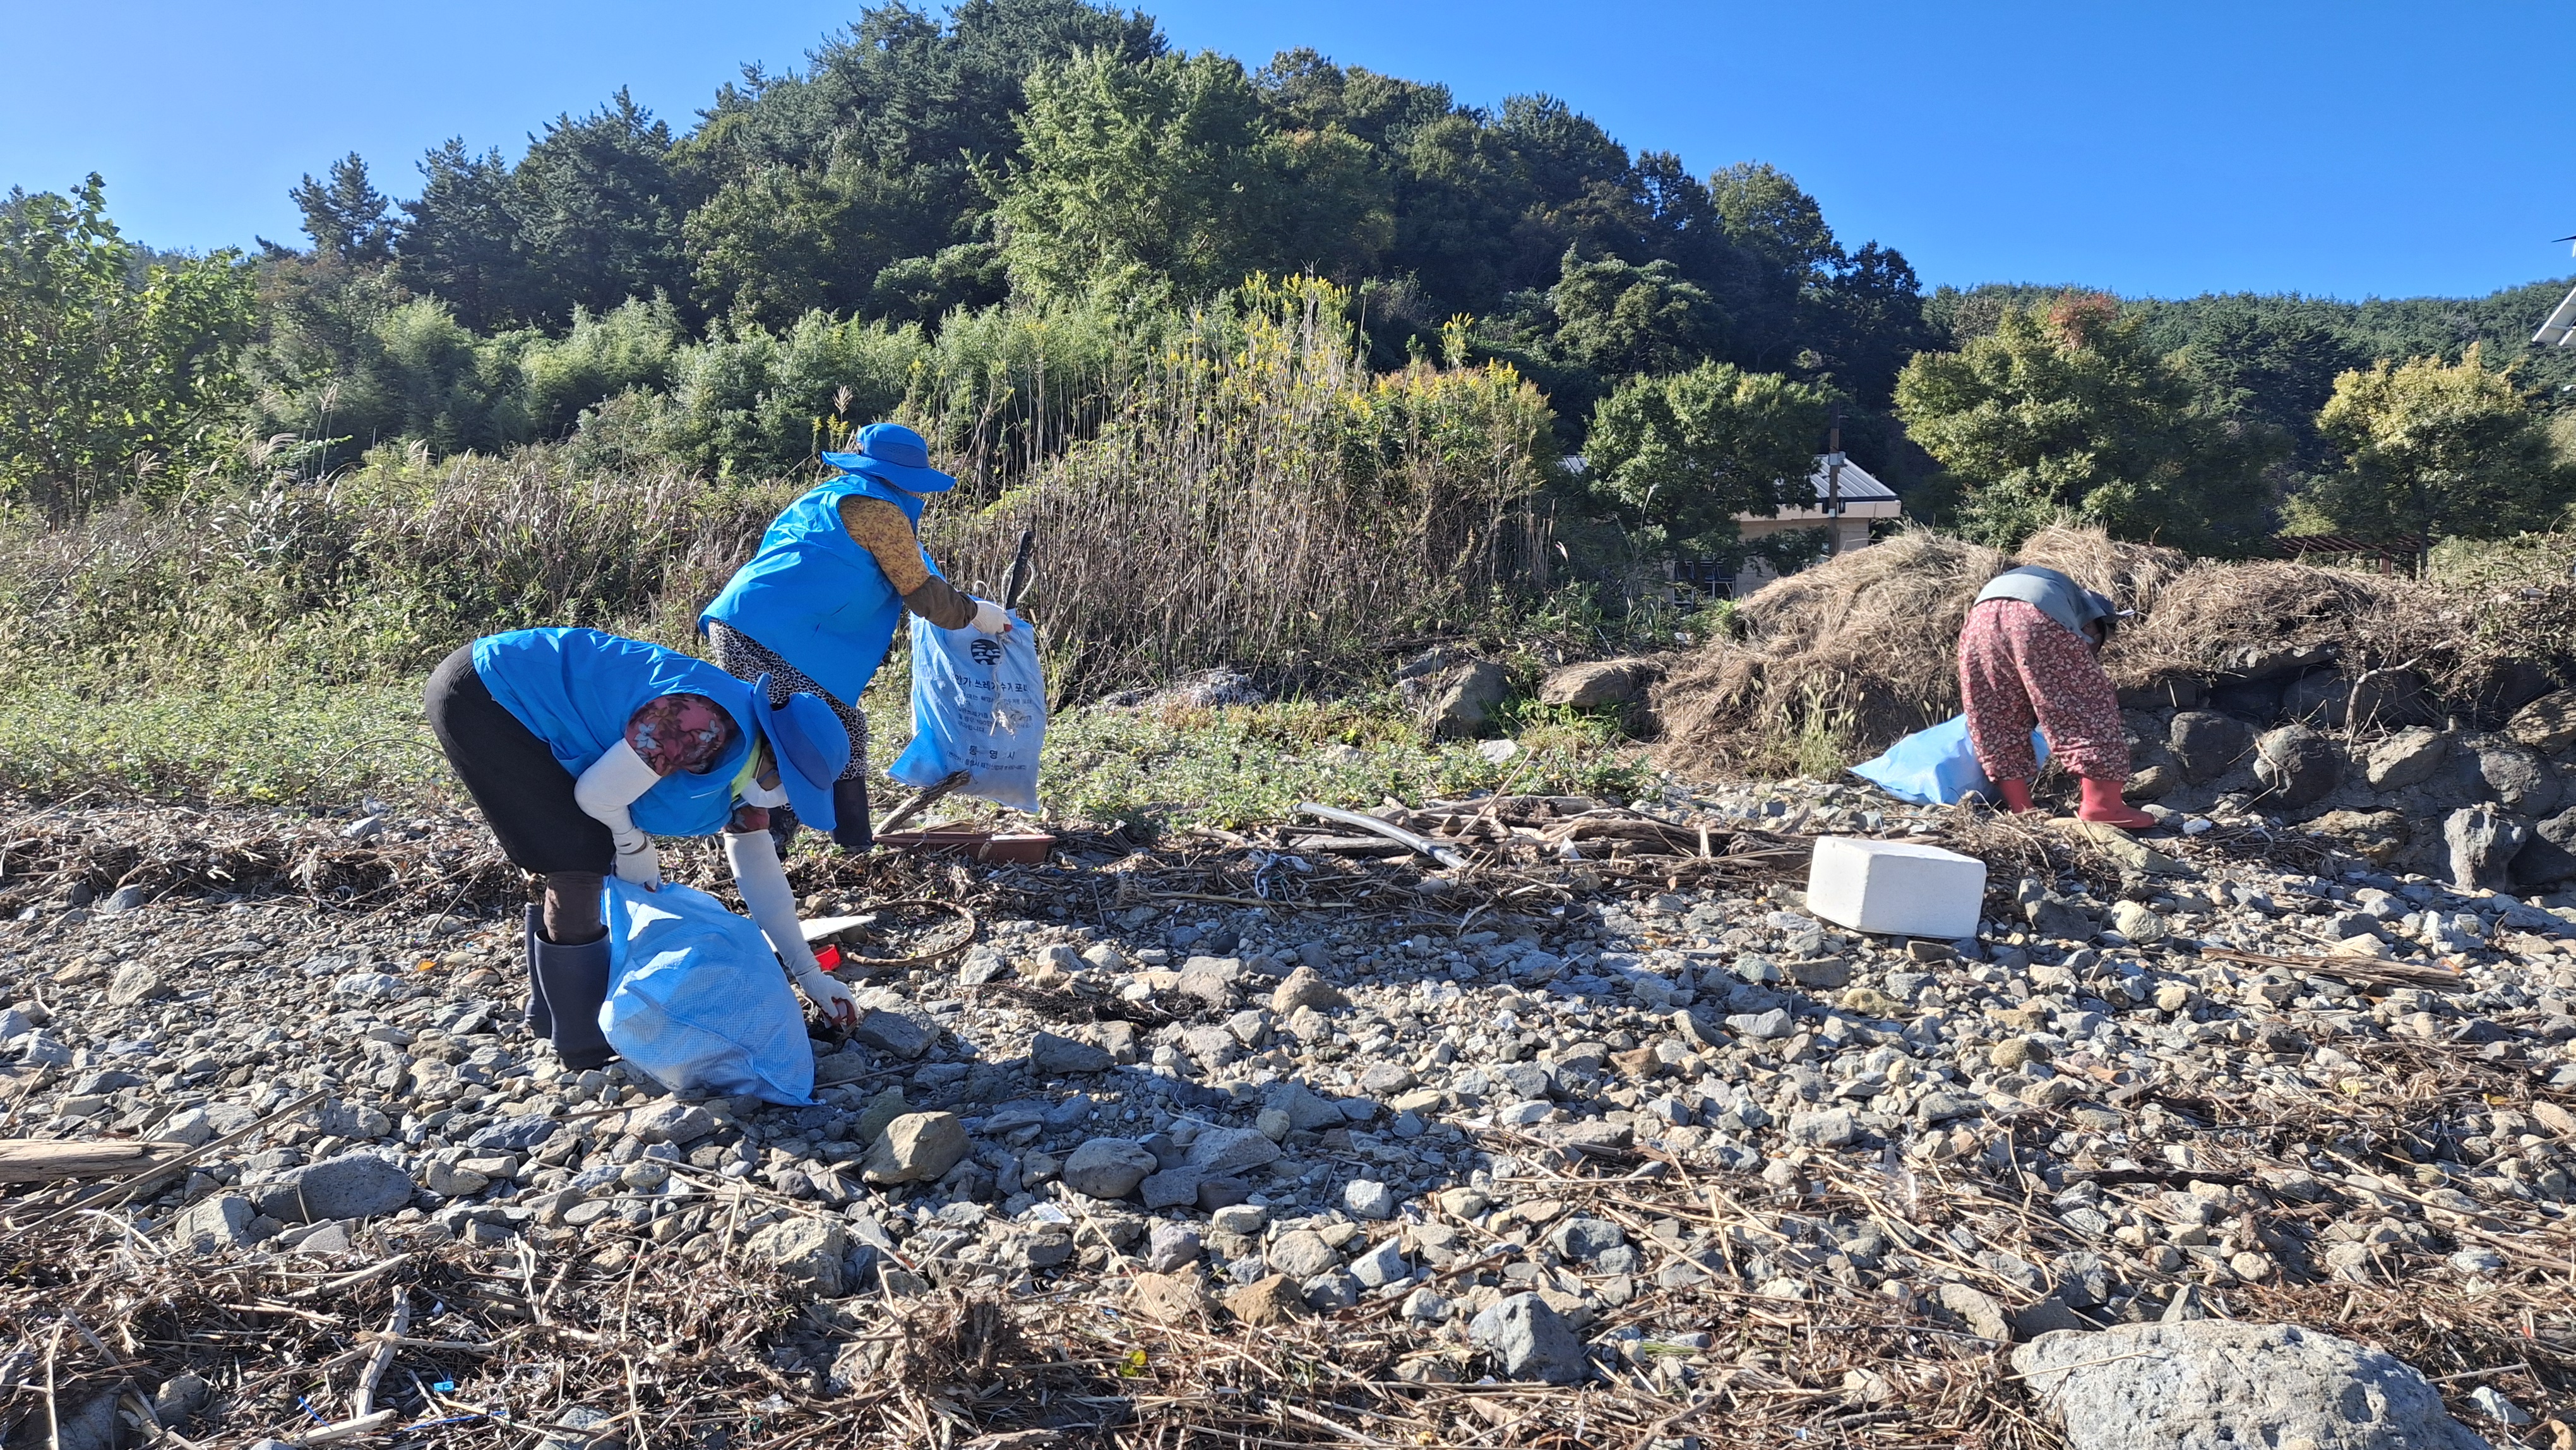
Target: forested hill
[2277, 355]
[994, 214]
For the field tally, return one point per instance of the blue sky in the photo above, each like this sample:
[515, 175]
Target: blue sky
[2349, 149]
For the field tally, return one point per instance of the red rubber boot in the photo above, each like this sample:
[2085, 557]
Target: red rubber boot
[2016, 794]
[2102, 804]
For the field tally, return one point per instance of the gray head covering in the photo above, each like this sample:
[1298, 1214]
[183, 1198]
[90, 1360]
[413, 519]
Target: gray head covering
[2052, 594]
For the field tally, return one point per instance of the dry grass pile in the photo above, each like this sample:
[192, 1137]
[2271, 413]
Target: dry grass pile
[1864, 647]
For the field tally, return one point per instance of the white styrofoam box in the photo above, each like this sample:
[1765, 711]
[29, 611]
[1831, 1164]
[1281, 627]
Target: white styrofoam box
[1895, 888]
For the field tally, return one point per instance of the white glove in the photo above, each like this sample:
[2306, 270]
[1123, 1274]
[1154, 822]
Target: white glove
[638, 864]
[991, 618]
[824, 991]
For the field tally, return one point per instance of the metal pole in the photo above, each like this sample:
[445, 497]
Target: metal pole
[1834, 488]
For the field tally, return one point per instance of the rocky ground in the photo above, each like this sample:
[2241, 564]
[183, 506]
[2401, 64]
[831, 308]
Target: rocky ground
[1461, 1156]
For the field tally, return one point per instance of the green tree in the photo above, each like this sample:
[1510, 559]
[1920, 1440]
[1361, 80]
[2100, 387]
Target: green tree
[1680, 455]
[110, 371]
[1133, 171]
[2435, 449]
[600, 208]
[462, 242]
[346, 216]
[1618, 318]
[2063, 410]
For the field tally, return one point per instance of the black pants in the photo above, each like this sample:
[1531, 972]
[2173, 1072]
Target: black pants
[525, 794]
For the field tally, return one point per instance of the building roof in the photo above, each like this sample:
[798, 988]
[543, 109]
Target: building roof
[1856, 483]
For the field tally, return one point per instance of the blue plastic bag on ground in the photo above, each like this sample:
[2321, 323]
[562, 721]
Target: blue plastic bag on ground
[696, 998]
[978, 705]
[1936, 767]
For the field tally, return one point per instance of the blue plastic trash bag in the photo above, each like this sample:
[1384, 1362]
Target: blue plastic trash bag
[696, 998]
[1936, 767]
[978, 705]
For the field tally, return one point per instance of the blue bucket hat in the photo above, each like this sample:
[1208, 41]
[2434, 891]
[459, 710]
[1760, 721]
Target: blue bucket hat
[812, 748]
[893, 453]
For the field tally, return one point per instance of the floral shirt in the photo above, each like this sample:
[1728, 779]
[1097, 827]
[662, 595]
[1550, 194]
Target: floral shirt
[680, 732]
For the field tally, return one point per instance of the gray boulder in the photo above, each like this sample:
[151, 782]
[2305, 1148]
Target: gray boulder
[2206, 744]
[2383, 698]
[2482, 843]
[1596, 682]
[2519, 778]
[903, 1034]
[1461, 701]
[1232, 1150]
[1057, 1056]
[1108, 1167]
[2321, 696]
[2217, 1384]
[2547, 724]
[1529, 1341]
[2297, 766]
[916, 1148]
[353, 1185]
[217, 1221]
[2406, 758]
[2550, 855]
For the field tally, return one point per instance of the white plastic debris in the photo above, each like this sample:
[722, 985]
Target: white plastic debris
[1895, 888]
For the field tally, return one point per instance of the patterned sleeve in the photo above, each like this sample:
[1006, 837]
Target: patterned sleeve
[881, 529]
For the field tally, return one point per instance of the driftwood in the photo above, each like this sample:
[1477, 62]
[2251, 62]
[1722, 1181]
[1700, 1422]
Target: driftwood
[40, 1160]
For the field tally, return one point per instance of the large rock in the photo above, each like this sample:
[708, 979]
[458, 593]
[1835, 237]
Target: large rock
[2482, 843]
[2206, 744]
[1529, 1341]
[1057, 1056]
[2321, 696]
[2500, 688]
[2217, 1384]
[1596, 682]
[217, 1221]
[134, 984]
[2406, 758]
[670, 1121]
[353, 1185]
[1108, 1167]
[2297, 766]
[1460, 701]
[2547, 724]
[916, 1148]
[2550, 854]
[1306, 987]
[2385, 698]
[808, 1250]
[1232, 1150]
[903, 1034]
[2517, 776]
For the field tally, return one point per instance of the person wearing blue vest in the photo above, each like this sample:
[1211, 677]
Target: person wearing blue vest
[580, 747]
[817, 606]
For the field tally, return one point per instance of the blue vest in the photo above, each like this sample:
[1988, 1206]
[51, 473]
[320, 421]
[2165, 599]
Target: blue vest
[575, 689]
[813, 597]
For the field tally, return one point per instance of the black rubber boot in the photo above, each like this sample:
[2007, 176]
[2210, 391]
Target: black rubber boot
[575, 981]
[851, 827]
[540, 1021]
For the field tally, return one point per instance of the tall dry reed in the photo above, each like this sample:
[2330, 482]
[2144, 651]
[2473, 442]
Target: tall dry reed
[1260, 499]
